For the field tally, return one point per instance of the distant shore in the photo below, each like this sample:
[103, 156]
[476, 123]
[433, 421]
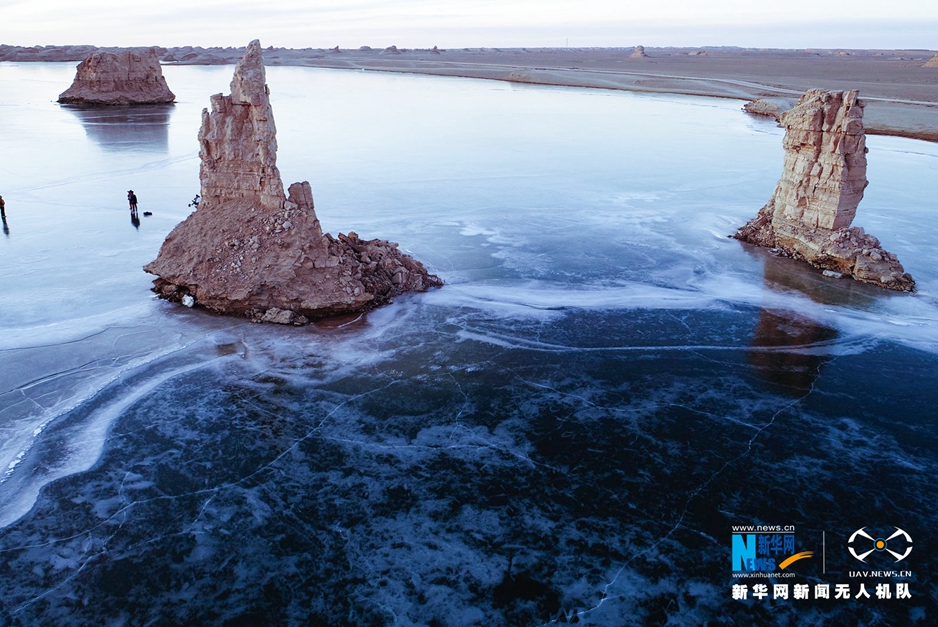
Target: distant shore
[901, 95]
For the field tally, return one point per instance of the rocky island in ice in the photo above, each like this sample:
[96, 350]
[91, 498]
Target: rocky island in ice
[252, 250]
[815, 201]
[124, 77]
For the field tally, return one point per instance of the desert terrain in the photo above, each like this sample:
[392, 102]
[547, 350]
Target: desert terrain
[900, 92]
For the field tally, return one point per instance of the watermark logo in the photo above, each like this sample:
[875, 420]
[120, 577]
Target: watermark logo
[861, 544]
[762, 553]
[765, 549]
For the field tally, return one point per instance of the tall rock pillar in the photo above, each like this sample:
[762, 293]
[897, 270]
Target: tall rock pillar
[238, 142]
[822, 182]
[250, 250]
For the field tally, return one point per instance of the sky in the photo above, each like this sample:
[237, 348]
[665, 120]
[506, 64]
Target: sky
[473, 23]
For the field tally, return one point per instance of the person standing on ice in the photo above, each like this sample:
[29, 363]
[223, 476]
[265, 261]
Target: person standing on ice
[3, 215]
[132, 199]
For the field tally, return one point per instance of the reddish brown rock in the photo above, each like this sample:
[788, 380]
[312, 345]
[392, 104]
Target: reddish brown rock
[251, 250]
[815, 201]
[119, 78]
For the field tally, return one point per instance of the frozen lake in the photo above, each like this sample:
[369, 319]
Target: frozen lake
[572, 425]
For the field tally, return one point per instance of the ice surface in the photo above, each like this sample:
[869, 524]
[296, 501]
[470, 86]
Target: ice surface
[569, 427]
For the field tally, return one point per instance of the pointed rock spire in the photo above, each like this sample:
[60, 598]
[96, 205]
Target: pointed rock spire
[250, 250]
[238, 142]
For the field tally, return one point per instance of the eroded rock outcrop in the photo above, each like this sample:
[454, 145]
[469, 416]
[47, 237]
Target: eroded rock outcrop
[638, 53]
[769, 107]
[933, 62]
[251, 250]
[119, 78]
[44, 53]
[815, 201]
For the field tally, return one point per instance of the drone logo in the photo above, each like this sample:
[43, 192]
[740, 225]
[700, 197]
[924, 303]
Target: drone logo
[881, 544]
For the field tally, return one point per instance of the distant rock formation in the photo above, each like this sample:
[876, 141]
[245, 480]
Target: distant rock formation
[520, 77]
[816, 199]
[638, 53]
[119, 78]
[44, 53]
[250, 250]
[189, 55]
[933, 62]
[769, 107]
[390, 50]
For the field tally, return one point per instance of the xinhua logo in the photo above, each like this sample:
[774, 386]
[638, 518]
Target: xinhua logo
[861, 544]
[755, 550]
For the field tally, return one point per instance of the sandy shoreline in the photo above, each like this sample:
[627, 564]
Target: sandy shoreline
[901, 94]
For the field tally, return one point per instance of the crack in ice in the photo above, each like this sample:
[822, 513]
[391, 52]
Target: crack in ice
[696, 492]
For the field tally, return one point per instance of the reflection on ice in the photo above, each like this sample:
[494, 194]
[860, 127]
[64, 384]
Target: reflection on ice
[122, 128]
[795, 365]
[787, 275]
[788, 348]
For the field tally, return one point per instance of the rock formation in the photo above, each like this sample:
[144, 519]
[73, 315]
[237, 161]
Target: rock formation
[638, 53]
[769, 107]
[119, 78]
[250, 250]
[933, 62]
[44, 53]
[823, 178]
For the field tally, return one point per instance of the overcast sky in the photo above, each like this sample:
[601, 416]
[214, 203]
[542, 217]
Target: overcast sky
[425, 23]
